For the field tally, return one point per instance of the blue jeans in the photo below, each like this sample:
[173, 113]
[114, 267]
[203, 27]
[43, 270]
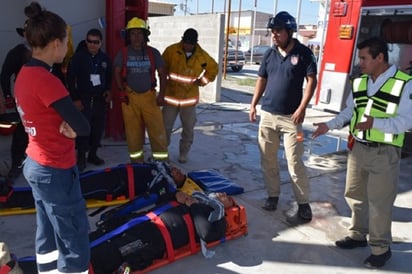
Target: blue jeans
[62, 240]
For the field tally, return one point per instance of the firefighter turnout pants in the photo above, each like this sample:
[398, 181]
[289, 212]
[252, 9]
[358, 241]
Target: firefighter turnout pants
[140, 113]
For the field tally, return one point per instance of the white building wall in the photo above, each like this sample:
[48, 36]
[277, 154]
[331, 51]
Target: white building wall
[82, 15]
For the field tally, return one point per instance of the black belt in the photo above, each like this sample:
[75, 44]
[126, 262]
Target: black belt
[371, 144]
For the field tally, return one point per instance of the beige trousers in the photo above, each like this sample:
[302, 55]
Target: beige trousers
[371, 187]
[271, 128]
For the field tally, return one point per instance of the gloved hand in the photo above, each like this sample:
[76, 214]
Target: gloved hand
[9, 102]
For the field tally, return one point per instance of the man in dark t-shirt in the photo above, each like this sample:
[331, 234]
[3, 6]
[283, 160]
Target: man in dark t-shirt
[280, 79]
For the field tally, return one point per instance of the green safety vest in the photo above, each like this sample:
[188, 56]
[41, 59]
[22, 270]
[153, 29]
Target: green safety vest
[383, 104]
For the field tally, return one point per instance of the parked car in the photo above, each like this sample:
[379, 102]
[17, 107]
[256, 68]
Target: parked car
[258, 52]
[235, 59]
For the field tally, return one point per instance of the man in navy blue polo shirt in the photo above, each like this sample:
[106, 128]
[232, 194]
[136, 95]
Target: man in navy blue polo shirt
[280, 78]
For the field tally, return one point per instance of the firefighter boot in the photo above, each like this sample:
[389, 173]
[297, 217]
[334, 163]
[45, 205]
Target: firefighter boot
[81, 160]
[93, 158]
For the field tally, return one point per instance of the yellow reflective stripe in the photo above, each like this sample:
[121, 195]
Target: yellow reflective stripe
[172, 101]
[160, 155]
[388, 137]
[356, 84]
[47, 257]
[181, 102]
[182, 78]
[368, 109]
[391, 108]
[136, 155]
[397, 88]
[359, 134]
[204, 80]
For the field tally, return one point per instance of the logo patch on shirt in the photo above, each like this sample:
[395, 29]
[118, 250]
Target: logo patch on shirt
[294, 59]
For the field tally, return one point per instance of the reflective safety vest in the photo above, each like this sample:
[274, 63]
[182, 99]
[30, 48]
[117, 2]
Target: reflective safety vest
[383, 104]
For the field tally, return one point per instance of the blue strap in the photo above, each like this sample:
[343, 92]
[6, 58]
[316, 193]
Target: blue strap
[129, 224]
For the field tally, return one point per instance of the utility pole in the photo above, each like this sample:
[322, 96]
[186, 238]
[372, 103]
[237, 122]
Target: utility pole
[185, 7]
[227, 36]
[275, 7]
[252, 44]
[298, 17]
[238, 26]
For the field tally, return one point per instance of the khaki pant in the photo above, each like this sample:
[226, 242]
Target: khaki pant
[142, 113]
[371, 187]
[188, 119]
[272, 127]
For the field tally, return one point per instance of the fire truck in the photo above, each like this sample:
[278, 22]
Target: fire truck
[351, 21]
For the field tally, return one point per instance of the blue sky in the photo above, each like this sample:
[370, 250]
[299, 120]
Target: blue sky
[308, 13]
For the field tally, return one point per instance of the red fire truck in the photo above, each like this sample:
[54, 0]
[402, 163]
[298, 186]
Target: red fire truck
[351, 21]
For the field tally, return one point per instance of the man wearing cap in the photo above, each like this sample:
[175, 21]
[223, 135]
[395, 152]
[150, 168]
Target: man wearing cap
[15, 59]
[134, 71]
[189, 67]
[280, 77]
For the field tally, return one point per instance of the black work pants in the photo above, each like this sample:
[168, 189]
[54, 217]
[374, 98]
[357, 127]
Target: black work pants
[207, 231]
[19, 144]
[95, 112]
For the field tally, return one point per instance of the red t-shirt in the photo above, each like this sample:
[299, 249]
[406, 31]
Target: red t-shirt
[36, 89]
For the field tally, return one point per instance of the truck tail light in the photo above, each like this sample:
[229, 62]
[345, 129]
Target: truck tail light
[346, 31]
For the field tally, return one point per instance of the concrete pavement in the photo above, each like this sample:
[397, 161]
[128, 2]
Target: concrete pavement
[226, 141]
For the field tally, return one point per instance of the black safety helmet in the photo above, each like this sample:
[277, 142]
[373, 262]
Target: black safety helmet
[283, 20]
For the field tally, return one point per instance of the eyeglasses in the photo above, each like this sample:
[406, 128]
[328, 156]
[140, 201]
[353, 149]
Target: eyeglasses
[95, 42]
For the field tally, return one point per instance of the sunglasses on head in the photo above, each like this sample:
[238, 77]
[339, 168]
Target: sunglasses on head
[95, 42]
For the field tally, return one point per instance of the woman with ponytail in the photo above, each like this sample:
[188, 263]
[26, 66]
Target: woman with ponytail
[52, 123]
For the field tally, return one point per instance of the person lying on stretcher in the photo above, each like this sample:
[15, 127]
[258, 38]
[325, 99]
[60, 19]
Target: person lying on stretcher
[207, 210]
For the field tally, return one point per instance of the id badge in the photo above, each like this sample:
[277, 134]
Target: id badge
[95, 79]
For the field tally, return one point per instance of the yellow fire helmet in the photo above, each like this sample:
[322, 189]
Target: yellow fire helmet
[137, 23]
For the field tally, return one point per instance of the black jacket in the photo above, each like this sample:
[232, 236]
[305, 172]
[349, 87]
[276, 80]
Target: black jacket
[81, 67]
[15, 59]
